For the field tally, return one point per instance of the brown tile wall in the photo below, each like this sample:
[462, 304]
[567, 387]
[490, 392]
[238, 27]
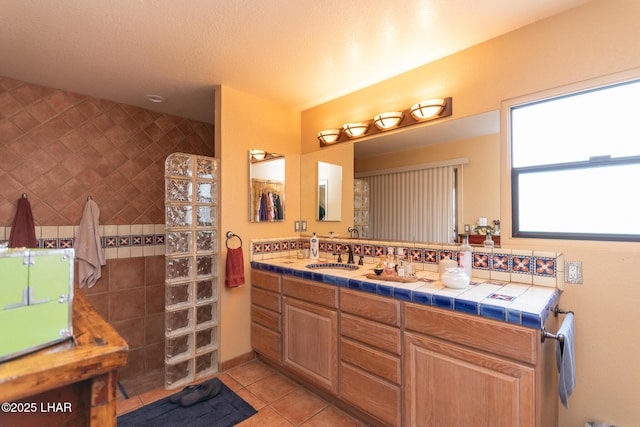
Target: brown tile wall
[60, 147]
[130, 296]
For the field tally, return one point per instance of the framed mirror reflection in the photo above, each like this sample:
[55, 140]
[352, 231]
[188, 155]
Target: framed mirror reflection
[266, 186]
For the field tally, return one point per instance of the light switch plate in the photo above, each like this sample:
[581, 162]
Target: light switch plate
[296, 226]
[573, 272]
[303, 226]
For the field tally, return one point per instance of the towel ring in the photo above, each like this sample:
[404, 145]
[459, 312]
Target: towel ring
[231, 235]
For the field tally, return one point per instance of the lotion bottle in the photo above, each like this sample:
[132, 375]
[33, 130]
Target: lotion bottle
[314, 244]
[465, 256]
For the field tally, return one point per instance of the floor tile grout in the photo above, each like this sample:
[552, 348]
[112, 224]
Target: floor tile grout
[256, 374]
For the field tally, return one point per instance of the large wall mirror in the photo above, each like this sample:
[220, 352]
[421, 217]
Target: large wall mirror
[329, 192]
[425, 183]
[266, 186]
[474, 138]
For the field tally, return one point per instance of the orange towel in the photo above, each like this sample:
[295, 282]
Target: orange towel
[235, 268]
[23, 231]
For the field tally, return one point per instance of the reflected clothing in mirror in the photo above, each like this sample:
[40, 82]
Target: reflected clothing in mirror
[267, 202]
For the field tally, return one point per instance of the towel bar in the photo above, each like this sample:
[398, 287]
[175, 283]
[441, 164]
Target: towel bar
[546, 334]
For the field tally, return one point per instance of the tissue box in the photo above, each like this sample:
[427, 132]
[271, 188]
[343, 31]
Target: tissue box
[36, 296]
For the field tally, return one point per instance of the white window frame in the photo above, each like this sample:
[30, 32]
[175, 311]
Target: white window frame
[518, 173]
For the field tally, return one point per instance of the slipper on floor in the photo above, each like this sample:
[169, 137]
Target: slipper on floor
[202, 392]
[175, 398]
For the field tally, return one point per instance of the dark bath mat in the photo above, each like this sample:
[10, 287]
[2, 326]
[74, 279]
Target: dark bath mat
[224, 410]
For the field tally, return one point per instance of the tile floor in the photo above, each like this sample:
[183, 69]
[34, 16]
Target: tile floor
[279, 401]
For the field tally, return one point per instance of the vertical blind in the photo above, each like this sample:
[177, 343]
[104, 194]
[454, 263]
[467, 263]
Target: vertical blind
[414, 205]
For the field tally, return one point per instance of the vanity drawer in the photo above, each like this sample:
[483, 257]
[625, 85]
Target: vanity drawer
[373, 307]
[310, 291]
[368, 392]
[266, 299]
[374, 334]
[267, 318]
[266, 342]
[373, 361]
[266, 280]
[512, 341]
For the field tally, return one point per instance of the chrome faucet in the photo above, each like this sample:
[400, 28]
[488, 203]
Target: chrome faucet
[350, 253]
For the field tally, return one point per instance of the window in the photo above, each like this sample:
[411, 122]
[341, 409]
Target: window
[575, 165]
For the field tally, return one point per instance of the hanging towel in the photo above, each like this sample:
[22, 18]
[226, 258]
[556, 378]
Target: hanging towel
[23, 231]
[565, 360]
[235, 268]
[88, 246]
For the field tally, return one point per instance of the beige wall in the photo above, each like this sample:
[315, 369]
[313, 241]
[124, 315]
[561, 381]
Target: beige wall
[594, 40]
[243, 122]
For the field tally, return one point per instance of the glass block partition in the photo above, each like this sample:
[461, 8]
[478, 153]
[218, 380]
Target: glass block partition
[191, 301]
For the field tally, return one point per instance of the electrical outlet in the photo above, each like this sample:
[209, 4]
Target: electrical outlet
[573, 272]
[303, 226]
[296, 226]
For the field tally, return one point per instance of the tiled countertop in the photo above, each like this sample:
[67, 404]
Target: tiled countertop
[514, 303]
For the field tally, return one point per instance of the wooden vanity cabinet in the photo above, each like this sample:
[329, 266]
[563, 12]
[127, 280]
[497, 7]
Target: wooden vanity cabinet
[310, 332]
[370, 349]
[464, 370]
[266, 315]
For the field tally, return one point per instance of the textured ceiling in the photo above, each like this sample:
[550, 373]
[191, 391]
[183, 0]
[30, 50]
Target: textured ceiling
[298, 53]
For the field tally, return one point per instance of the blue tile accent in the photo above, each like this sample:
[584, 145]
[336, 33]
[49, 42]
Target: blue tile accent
[442, 301]
[329, 279]
[493, 312]
[342, 281]
[421, 297]
[403, 294]
[385, 290]
[369, 287]
[514, 316]
[307, 275]
[531, 320]
[355, 284]
[465, 306]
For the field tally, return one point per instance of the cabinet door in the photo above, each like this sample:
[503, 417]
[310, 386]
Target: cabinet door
[447, 385]
[310, 342]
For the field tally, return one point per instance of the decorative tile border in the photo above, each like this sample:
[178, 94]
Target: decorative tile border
[118, 241]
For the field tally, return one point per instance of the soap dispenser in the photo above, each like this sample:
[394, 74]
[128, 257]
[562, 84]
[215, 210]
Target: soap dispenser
[314, 245]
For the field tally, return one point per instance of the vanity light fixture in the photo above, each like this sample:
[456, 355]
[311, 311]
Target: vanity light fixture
[418, 114]
[258, 154]
[388, 120]
[328, 136]
[427, 109]
[156, 99]
[354, 130]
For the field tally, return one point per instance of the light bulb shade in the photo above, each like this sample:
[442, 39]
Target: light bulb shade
[258, 154]
[388, 120]
[354, 130]
[427, 109]
[329, 136]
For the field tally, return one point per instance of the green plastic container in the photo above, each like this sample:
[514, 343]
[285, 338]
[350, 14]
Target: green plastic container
[36, 296]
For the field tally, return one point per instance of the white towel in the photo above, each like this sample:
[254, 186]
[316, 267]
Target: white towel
[88, 247]
[565, 360]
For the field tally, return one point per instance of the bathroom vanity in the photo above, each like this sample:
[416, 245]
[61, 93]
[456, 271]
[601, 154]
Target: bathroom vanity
[398, 360]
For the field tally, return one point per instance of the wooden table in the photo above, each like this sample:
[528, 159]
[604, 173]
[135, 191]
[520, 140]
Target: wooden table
[71, 383]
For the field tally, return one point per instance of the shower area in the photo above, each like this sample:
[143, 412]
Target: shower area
[191, 268]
